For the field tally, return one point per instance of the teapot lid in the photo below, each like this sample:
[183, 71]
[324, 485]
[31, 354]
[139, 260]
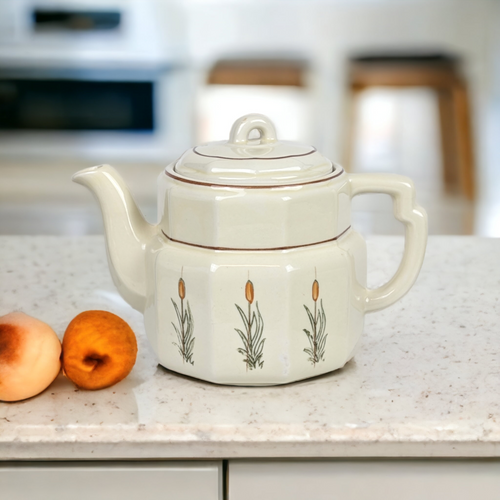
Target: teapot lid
[242, 161]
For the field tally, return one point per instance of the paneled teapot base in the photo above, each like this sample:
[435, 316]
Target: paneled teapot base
[257, 318]
[254, 384]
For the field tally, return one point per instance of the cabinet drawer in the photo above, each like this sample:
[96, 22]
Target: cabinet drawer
[111, 481]
[365, 480]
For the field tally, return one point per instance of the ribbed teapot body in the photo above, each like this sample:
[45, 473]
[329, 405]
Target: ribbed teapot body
[260, 317]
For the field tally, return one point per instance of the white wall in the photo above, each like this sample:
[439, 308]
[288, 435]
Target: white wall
[487, 220]
[493, 99]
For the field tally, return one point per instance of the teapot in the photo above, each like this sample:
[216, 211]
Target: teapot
[253, 274]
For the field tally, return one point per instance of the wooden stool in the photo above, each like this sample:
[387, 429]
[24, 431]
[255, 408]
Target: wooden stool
[441, 73]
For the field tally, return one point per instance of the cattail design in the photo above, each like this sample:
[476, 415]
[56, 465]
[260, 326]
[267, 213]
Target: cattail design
[182, 289]
[316, 335]
[251, 336]
[249, 293]
[315, 290]
[185, 327]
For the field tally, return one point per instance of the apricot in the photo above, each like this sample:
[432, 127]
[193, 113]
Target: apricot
[29, 356]
[99, 350]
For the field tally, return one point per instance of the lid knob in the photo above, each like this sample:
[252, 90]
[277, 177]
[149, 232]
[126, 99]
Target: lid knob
[240, 131]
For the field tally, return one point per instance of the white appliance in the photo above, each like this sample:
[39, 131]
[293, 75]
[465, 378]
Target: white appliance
[97, 79]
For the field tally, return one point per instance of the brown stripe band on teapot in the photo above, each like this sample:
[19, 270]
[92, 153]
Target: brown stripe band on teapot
[227, 249]
[313, 150]
[335, 173]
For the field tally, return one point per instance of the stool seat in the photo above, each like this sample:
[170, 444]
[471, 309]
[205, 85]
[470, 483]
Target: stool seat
[282, 72]
[407, 57]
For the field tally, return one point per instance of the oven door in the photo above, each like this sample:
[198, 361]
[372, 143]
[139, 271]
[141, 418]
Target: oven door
[127, 113]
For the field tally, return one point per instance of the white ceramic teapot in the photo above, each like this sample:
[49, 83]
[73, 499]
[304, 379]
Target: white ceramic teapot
[253, 275]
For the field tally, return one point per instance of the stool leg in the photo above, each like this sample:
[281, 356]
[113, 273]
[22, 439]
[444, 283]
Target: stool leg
[352, 125]
[464, 140]
[448, 139]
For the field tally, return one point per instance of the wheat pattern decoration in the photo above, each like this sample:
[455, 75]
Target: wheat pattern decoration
[253, 343]
[316, 336]
[185, 339]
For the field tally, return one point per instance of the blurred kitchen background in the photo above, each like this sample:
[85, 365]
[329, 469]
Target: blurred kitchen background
[403, 86]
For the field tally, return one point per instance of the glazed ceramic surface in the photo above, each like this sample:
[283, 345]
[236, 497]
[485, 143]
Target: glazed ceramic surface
[253, 275]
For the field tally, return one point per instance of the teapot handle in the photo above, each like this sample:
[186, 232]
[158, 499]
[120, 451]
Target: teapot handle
[414, 218]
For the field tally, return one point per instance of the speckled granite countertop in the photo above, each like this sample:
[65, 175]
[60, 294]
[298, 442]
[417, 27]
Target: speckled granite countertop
[426, 381]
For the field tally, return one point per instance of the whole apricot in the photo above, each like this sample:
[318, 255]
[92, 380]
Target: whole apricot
[29, 356]
[99, 350]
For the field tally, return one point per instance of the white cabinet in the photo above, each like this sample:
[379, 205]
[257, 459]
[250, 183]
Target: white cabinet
[364, 480]
[111, 481]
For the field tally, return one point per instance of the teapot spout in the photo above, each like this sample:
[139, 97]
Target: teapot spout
[127, 232]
